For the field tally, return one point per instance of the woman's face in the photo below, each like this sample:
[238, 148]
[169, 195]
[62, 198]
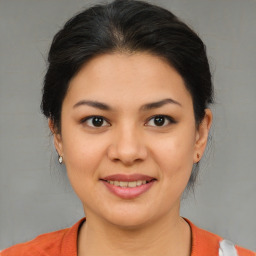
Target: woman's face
[128, 120]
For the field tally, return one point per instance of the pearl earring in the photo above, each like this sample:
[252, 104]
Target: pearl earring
[60, 159]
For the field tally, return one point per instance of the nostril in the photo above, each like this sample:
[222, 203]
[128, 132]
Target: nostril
[127, 152]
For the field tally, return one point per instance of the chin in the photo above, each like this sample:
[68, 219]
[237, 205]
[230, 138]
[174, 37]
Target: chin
[129, 223]
[130, 218]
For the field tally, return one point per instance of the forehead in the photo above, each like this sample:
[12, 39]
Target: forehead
[121, 77]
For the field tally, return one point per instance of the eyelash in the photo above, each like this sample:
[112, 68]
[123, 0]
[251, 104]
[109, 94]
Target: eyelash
[84, 120]
[169, 119]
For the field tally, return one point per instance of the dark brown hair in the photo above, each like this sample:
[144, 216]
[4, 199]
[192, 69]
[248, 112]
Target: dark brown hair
[126, 26]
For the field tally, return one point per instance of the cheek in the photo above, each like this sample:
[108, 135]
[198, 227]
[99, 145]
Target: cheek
[82, 153]
[174, 154]
[82, 156]
[176, 165]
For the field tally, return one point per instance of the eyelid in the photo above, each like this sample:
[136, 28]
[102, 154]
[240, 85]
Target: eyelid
[169, 118]
[84, 120]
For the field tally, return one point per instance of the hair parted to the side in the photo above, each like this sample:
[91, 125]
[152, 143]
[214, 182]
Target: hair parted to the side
[126, 26]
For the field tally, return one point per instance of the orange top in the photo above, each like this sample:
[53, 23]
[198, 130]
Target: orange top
[64, 243]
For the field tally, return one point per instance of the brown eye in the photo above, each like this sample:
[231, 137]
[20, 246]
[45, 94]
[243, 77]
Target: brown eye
[95, 121]
[160, 121]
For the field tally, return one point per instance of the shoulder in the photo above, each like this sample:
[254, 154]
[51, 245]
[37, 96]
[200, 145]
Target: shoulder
[207, 243]
[244, 252]
[50, 244]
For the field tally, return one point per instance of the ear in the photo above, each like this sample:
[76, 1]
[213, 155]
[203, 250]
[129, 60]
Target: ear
[56, 137]
[202, 135]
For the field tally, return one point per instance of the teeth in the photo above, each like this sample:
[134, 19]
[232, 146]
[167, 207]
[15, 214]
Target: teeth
[139, 182]
[125, 184]
[132, 184]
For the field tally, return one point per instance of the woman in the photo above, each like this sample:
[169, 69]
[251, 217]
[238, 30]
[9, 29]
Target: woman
[127, 96]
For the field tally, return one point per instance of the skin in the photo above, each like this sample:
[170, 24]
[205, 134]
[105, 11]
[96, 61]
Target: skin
[130, 142]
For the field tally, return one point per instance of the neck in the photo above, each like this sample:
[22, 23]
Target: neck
[166, 236]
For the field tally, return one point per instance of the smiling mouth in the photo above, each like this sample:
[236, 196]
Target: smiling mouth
[128, 184]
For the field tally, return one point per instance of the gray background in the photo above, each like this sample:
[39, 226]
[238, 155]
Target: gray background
[35, 196]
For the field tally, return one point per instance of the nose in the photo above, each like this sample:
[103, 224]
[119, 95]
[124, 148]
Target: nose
[127, 146]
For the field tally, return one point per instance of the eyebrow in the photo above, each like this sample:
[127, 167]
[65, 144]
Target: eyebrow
[148, 106]
[94, 104]
[159, 104]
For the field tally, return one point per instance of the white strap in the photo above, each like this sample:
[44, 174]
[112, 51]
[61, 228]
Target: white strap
[227, 248]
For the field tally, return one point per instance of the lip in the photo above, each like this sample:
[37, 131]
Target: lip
[128, 177]
[128, 192]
